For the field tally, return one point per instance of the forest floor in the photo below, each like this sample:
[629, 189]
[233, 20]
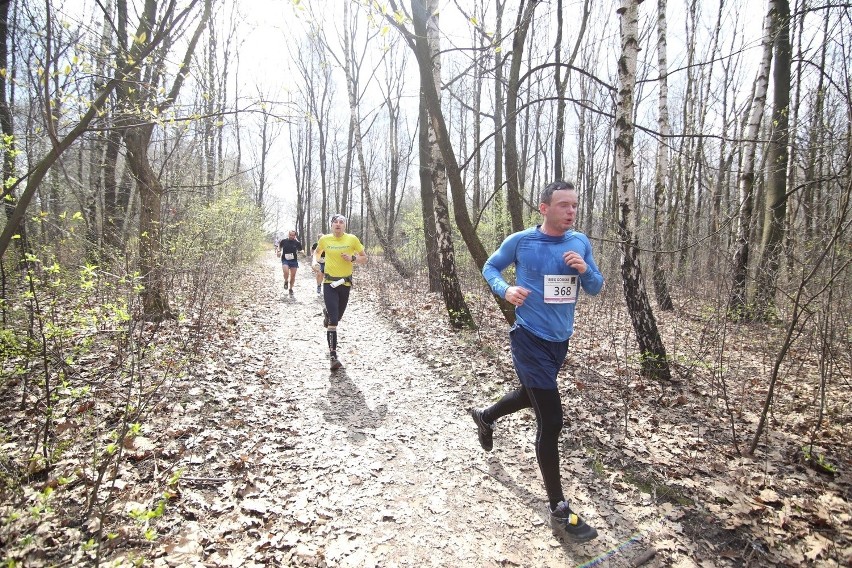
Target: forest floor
[273, 460]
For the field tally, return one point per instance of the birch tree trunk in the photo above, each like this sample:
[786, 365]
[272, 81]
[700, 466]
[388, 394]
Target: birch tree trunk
[661, 286]
[427, 199]
[457, 309]
[654, 362]
[739, 285]
[776, 187]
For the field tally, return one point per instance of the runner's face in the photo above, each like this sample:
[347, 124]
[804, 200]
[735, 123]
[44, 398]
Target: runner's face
[292, 235]
[560, 213]
[337, 226]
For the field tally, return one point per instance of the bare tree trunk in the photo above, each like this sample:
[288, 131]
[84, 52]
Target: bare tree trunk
[661, 286]
[105, 150]
[777, 158]
[654, 361]
[265, 144]
[154, 299]
[719, 237]
[739, 285]
[209, 143]
[561, 88]
[346, 182]
[813, 167]
[514, 202]
[427, 201]
[791, 235]
[478, 77]
[7, 123]
[113, 213]
[457, 309]
[499, 203]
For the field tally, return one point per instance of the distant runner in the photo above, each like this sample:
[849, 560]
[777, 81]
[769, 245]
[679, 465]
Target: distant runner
[341, 250]
[289, 248]
[552, 262]
[318, 272]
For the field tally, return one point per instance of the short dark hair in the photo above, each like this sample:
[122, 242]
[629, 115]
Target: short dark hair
[547, 192]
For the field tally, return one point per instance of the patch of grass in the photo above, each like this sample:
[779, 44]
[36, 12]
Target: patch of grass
[598, 466]
[646, 483]
[659, 489]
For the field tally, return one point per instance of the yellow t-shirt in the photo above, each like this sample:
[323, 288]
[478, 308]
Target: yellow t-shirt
[334, 247]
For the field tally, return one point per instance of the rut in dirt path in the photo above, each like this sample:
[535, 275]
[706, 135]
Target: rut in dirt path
[376, 464]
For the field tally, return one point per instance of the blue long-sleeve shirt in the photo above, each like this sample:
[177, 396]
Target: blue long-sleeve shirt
[536, 255]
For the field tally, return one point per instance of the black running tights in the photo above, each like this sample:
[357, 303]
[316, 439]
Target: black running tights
[336, 300]
[547, 406]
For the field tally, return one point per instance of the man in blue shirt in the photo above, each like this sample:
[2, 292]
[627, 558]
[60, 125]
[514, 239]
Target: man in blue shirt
[552, 262]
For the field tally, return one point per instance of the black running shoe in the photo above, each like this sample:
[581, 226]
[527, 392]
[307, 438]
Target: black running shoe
[285, 284]
[484, 430]
[566, 522]
[291, 291]
[335, 363]
[324, 317]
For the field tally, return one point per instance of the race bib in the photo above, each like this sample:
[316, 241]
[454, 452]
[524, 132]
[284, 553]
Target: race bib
[289, 256]
[560, 288]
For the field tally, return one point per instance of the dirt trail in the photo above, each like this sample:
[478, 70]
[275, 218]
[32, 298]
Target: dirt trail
[376, 464]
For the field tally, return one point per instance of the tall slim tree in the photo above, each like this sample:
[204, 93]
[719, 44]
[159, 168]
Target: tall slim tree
[776, 163]
[661, 285]
[652, 352]
[562, 86]
[499, 107]
[513, 190]
[737, 306]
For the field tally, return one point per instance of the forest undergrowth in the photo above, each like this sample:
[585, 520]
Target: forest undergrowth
[94, 456]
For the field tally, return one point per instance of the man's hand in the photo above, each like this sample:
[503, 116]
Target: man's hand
[516, 295]
[575, 261]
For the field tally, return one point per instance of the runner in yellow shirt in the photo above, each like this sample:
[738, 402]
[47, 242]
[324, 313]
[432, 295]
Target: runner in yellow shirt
[342, 251]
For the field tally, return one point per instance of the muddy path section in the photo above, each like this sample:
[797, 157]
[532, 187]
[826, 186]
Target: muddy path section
[375, 464]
